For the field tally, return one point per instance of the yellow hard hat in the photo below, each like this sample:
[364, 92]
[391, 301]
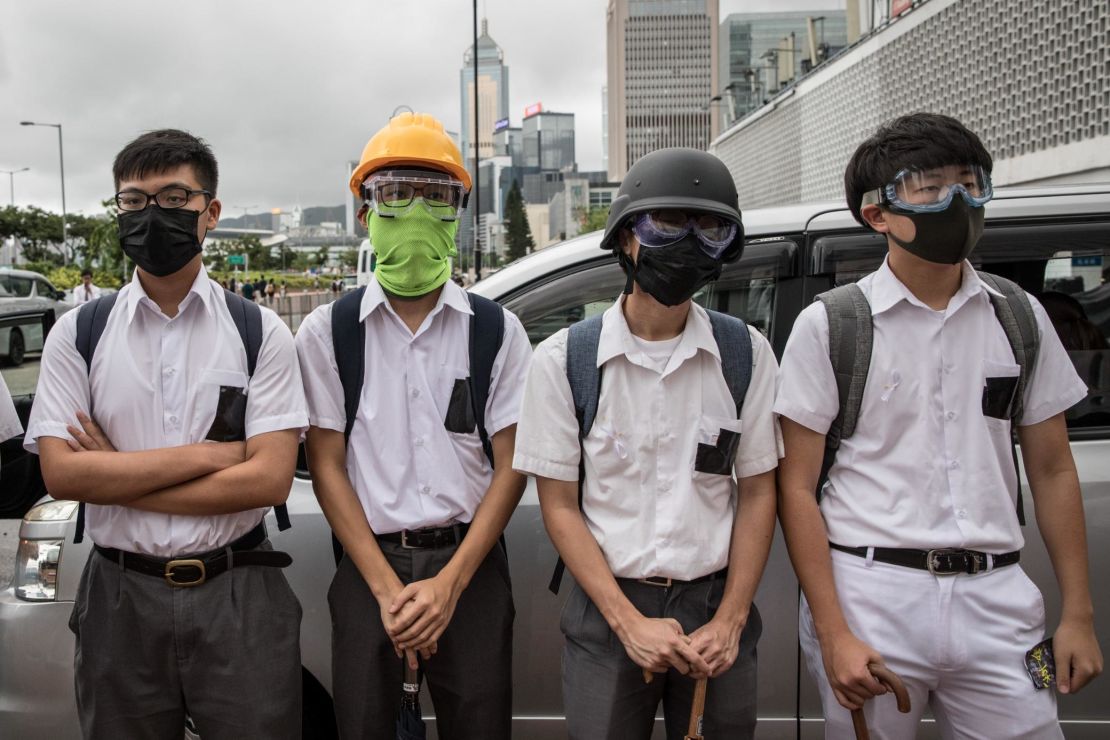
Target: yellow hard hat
[416, 139]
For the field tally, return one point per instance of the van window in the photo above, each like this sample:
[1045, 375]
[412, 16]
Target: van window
[20, 287]
[1065, 266]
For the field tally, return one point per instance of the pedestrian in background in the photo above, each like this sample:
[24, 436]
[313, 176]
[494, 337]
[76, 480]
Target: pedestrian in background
[85, 290]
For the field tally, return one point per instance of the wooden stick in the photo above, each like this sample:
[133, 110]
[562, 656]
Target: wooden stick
[697, 711]
[889, 679]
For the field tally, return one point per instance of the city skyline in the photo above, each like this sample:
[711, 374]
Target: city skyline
[284, 98]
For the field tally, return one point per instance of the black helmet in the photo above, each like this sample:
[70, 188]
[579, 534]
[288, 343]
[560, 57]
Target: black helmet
[687, 179]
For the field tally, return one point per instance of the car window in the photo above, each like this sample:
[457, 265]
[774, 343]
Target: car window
[569, 297]
[44, 289]
[746, 289]
[1065, 266]
[20, 287]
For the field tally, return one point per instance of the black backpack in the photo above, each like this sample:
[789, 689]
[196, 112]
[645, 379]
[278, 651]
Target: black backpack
[348, 338]
[93, 317]
[851, 339]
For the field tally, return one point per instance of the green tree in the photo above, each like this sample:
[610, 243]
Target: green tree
[349, 259]
[593, 219]
[320, 258]
[518, 236]
[102, 245]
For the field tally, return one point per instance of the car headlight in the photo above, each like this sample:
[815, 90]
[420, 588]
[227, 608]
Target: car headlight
[51, 511]
[36, 569]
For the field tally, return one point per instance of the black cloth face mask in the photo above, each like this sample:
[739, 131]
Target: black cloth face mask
[159, 240]
[672, 274]
[945, 237]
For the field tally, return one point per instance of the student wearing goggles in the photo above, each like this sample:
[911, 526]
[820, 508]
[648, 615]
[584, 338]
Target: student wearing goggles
[931, 190]
[665, 227]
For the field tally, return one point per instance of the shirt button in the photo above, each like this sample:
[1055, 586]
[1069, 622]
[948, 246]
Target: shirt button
[954, 465]
[961, 514]
[949, 368]
[416, 393]
[950, 415]
[665, 485]
[419, 441]
[173, 419]
[425, 489]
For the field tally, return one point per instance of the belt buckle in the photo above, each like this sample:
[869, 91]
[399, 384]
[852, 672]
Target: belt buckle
[933, 556]
[405, 541]
[658, 581]
[172, 564]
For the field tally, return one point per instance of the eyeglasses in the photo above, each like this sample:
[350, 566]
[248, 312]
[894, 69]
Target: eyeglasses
[932, 190]
[393, 193]
[167, 198]
[664, 227]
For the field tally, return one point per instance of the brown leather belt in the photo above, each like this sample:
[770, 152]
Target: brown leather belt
[662, 582]
[946, 561]
[429, 538]
[197, 569]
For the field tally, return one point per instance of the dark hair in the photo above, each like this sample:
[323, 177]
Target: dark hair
[918, 140]
[156, 152]
[86, 272]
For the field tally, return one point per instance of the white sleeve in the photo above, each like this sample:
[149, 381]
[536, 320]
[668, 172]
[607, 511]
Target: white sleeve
[760, 444]
[510, 370]
[547, 433]
[322, 387]
[9, 420]
[275, 396]
[1054, 386]
[807, 386]
[63, 386]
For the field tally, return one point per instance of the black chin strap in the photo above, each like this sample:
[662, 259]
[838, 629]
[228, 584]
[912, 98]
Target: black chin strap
[629, 268]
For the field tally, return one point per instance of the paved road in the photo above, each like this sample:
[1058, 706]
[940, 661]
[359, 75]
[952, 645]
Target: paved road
[21, 380]
[9, 541]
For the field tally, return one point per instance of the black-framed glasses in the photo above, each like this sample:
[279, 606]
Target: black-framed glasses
[168, 198]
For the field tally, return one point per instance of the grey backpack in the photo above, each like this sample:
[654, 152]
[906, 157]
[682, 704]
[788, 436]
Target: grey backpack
[733, 342]
[851, 339]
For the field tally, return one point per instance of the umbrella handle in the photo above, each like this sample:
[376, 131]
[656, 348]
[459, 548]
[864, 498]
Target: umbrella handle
[887, 678]
[697, 711]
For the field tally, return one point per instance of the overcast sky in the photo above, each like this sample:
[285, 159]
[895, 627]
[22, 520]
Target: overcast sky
[285, 92]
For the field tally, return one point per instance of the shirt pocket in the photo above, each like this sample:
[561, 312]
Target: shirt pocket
[460, 410]
[225, 392]
[718, 441]
[1000, 382]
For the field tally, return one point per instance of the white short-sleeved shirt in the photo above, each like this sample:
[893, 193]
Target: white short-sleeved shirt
[926, 466]
[9, 420]
[650, 510]
[410, 472]
[82, 295]
[155, 383]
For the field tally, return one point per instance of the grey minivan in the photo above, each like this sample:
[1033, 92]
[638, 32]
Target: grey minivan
[1048, 240]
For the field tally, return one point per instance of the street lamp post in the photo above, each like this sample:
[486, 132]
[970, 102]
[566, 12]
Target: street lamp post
[11, 180]
[62, 167]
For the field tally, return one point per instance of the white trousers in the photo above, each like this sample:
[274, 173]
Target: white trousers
[958, 642]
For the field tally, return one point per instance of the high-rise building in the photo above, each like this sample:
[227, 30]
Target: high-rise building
[662, 72]
[493, 106]
[493, 95]
[762, 52]
[548, 140]
[605, 128]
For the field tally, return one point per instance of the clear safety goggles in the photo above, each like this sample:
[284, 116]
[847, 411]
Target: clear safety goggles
[394, 193]
[931, 190]
[665, 227]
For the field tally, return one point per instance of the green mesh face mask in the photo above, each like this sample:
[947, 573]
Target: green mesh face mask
[413, 250]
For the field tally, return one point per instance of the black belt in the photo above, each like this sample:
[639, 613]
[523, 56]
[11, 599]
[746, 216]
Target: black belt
[427, 539]
[662, 582]
[946, 561]
[195, 570]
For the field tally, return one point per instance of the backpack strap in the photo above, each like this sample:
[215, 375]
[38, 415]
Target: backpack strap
[92, 317]
[247, 317]
[348, 339]
[584, 377]
[487, 331]
[91, 320]
[734, 343]
[851, 339]
[1015, 313]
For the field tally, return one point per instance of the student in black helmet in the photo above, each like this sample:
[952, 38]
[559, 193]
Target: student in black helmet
[650, 433]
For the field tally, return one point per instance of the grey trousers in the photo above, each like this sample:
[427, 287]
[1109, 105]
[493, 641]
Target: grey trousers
[604, 691]
[227, 653]
[469, 678]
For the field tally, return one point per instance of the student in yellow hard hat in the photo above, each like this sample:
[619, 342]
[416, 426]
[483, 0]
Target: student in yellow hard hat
[413, 388]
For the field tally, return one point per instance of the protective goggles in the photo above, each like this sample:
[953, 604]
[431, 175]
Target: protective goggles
[932, 190]
[665, 227]
[394, 193]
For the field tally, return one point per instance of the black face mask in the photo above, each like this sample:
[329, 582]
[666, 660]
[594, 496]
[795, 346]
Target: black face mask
[160, 241]
[672, 274]
[945, 237]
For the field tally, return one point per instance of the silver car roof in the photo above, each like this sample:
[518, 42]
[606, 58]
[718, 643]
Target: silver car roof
[806, 217]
